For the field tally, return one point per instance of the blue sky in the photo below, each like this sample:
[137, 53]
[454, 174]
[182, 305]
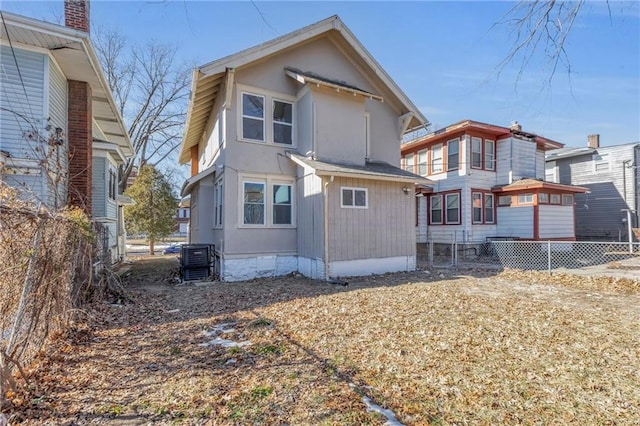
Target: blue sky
[444, 55]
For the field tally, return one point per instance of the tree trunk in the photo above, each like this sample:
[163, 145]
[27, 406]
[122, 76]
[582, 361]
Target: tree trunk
[152, 243]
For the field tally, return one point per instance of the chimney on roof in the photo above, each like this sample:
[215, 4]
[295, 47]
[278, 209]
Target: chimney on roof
[76, 14]
[515, 126]
[593, 141]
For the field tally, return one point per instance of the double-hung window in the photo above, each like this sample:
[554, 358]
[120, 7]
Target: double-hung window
[489, 211]
[422, 163]
[254, 199]
[567, 199]
[282, 122]
[476, 153]
[453, 151]
[408, 162]
[525, 198]
[265, 117]
[453, 208]
[282, 204]
[476, 201]
[113, 184]
[435, 210]
[266, 202]
[436, 159]
[217, 203]
[354, 198]
[489, 155]
[253, 117]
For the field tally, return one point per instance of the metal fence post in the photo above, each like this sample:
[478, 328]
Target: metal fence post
[549, 256]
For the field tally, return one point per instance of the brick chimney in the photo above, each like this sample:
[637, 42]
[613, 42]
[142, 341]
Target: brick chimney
[76, 14]
[593, 141]
[79, 125]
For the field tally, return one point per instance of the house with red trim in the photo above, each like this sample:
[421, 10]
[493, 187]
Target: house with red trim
[489, 183]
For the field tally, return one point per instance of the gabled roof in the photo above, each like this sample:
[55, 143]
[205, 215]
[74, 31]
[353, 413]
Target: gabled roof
[528, 183]
[208, 79]
[76, 57]
[498, 132]
[373, 170]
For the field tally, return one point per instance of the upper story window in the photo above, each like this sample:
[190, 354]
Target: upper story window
[354, 198]
[422, 163]
[476, 153]
[453, 151]
[408, 162]
[436, 159]
[489, 154]
[283, 122]
[266, 117]
[253, 117]
[113, 184]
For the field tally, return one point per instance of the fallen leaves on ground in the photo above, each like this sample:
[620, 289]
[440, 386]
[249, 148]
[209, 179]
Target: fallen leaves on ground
[499, 349]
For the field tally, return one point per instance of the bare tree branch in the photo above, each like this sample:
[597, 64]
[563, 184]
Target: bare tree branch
[151, 91]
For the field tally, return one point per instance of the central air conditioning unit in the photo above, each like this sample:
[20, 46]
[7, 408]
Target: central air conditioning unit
[196, 261]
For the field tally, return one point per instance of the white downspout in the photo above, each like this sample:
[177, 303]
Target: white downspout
[326, 226]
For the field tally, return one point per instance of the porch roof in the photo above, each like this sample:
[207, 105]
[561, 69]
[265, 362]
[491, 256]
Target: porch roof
[373, 170]
[528, 183]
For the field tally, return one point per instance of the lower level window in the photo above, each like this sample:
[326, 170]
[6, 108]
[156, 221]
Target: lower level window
[254, 203]
[444, 209]
[355, 198]
[267, 202]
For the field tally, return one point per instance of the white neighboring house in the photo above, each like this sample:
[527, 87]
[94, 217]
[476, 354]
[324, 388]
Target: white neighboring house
[62, 138]
[294, 146]
[489, 183]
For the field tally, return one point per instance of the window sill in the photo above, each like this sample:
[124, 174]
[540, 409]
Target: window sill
[267, 143]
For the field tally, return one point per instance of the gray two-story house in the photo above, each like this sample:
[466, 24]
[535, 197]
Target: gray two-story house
[612, 176]
[294, 148]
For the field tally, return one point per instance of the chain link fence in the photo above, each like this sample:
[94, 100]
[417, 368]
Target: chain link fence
[551, 255]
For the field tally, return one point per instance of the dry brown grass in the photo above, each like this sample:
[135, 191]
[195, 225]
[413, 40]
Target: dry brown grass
[505, 349]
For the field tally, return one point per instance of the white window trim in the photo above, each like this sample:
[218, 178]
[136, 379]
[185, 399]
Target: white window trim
[218, 194]
[242, 117]
[275, 99]
[353, 189]
[268, 181]
[269, 97]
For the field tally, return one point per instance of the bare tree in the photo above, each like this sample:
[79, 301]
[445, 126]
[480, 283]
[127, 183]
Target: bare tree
[541, 25]
[151, 91]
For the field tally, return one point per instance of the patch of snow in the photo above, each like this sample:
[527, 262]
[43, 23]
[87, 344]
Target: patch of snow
[391, 418]
[226, 343]
[173, 311]
[218, 341]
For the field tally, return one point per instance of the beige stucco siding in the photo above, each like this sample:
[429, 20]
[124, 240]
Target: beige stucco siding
[384, 229]
[342, 137]
[310, 215]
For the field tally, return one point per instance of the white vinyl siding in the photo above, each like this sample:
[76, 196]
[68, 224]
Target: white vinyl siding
[515, 222]
[556, 221]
